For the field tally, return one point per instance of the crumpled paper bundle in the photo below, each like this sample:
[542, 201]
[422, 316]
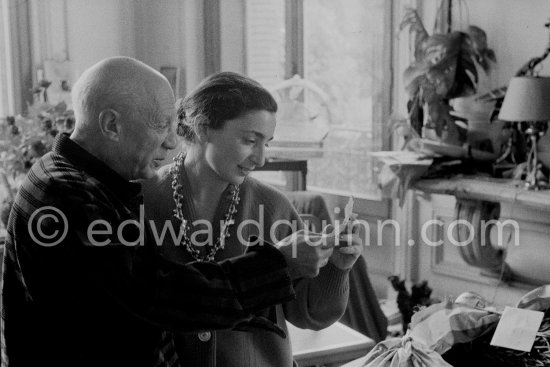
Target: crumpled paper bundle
[433, 331]
[538, 299]
[397, 171]
[442, 325]
[403, 352]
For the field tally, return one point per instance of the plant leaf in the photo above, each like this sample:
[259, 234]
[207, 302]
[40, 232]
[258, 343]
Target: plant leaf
[417, 31]
[483, 54]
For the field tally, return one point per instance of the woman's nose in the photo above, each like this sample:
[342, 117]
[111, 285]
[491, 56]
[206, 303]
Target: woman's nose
[259, 156]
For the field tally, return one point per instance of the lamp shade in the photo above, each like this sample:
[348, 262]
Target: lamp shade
[527, 99]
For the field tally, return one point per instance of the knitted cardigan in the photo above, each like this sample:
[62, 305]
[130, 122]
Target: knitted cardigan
[319, 302]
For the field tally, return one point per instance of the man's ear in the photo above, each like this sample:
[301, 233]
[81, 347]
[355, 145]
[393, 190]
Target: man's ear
[109, 124]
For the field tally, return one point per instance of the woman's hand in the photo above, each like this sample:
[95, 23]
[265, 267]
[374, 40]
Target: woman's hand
[306, 252]
[348, 247]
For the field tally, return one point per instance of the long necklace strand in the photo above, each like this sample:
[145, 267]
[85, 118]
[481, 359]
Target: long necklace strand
[177, 188]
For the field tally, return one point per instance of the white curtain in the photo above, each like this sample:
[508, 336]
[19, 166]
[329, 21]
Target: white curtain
[15, 57]
[7, 105]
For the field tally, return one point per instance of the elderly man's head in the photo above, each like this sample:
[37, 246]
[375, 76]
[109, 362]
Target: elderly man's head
[124, 114]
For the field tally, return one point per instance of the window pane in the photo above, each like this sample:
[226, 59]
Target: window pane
[265, 53]
[344, 55]
[265, 41]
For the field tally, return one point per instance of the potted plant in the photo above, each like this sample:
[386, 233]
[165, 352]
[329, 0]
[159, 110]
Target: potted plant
[445, 67]
[24, 139]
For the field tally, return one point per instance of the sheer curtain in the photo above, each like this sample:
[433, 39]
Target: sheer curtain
[6, 80]
[15, 56]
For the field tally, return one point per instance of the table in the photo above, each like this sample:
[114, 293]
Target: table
[293, 165]
[334, 345]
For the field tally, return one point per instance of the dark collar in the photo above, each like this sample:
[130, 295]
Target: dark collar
[85, 161]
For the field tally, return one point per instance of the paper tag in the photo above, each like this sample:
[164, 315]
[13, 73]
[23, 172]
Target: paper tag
[517, 329]
[348, 210]
[348, 217]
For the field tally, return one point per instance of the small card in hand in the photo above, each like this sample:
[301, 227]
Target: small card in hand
[346, 225]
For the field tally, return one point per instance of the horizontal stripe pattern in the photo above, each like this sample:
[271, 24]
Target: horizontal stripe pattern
[106, 305]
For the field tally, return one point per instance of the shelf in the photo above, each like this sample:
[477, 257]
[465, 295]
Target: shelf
[487, 189]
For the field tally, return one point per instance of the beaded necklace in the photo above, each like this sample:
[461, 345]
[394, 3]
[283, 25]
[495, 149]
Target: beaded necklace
[175, 171]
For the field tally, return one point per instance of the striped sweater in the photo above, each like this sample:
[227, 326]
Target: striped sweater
[100, 297]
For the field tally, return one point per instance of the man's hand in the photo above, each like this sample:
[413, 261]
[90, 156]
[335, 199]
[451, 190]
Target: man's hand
[306, 252]
[349, 247]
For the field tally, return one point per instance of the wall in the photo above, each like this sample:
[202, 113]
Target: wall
[159, 33]
[98, 29]
[162, 45]
[232, 25]
[81, 31]
[515, 31]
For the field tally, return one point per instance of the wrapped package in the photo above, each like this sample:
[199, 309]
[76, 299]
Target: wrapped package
[403, 352]
[433, 331]
[442, 325]
[480, 352]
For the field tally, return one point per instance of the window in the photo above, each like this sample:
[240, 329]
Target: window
[15, 57]
[5, 61]
[344, 48]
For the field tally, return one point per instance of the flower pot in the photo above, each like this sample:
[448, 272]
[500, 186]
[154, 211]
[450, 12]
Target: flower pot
[482, 134]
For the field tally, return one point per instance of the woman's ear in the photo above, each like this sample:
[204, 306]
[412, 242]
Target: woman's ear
[109, 124]
[203, 133]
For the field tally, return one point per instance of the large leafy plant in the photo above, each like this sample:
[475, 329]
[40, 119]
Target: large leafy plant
[445, 66]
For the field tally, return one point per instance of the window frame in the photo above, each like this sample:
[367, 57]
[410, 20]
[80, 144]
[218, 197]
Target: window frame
[295, 65]
[16, 62]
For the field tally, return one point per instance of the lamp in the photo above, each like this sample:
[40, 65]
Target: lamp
[527, 100]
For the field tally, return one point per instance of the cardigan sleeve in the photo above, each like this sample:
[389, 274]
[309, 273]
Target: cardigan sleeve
[320, 301]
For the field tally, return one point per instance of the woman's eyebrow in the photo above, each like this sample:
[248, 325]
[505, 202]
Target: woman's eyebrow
[258, 134]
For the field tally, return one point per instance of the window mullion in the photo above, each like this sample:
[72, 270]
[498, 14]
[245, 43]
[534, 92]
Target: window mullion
[294, 38]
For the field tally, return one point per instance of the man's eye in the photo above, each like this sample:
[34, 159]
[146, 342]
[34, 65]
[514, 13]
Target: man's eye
[160, 125]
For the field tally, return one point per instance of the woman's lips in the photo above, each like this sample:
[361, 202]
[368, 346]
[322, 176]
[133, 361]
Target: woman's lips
[246, 170]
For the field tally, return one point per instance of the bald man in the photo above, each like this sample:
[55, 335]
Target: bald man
[83, 282]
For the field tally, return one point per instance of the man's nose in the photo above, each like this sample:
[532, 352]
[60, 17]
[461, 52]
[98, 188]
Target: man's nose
[171, 141]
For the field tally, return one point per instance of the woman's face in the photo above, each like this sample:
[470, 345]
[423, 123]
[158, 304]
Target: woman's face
[233, 151]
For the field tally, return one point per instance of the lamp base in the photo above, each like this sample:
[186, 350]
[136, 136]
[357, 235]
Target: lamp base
[536, 186]
[535, 179]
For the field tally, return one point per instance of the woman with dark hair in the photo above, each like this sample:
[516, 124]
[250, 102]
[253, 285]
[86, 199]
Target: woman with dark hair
[209, 200]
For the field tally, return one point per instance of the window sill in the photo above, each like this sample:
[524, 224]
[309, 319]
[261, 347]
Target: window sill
[486, 189]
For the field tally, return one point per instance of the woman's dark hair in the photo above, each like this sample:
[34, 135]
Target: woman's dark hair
[221, 97]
